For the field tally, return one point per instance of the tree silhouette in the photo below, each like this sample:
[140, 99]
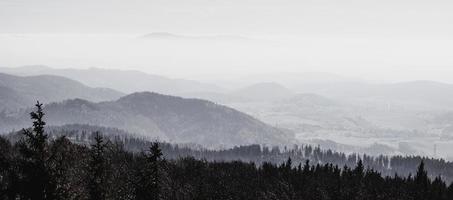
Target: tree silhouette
[97, 170]
[422, 182]
[147, 177]
[36, 174]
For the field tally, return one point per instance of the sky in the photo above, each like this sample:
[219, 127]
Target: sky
[385, 40]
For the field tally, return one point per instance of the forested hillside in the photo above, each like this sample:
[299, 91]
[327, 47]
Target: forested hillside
[142, 81]
[38, 168]
[168, 118]
[17, 92]
[258, 154]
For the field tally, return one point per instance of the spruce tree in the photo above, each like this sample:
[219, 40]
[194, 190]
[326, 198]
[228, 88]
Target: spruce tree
[147, 186]
[359, 170]
[97, 170]
[422, 182]
[36, 173]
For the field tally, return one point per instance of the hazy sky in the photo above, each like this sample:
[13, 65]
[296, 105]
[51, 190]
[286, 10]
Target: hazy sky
[372, 39]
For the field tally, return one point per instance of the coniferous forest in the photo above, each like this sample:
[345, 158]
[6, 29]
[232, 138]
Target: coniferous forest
[38, 167]
[226, 100]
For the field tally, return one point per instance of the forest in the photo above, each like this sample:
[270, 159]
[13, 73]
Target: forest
[385, 164]
[37, 166]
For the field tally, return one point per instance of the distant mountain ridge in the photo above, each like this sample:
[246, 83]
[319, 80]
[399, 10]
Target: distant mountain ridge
[126, 81]
[309, 99]
[169, 118]
[418, 93]
[22, 91]
[265, 91]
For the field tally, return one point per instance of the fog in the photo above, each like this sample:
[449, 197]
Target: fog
[373, 40]
[344, 67]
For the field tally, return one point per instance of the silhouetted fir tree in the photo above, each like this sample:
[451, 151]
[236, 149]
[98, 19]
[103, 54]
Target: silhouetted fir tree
[438, 189]
[36, 177]
[121, 172]
[64, 163]
[359, 170]
[421, 182]
[97, 170]
[288, 178]
[147, 178]
[358, 184]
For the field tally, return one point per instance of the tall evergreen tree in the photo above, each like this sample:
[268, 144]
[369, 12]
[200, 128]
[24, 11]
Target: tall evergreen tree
[64, 164]
[97, 170]
[422, 182]
[36, 176]
[147, 185]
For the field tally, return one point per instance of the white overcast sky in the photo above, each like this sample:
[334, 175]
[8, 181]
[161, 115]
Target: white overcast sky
[391, 40]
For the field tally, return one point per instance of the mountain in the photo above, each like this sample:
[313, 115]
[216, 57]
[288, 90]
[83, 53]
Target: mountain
[266, 91]
[421, 94]
[22, 91]
[11, 99]
[428, 92]
[258, 92]
[309, 99]
[169, 118]
[127, 81]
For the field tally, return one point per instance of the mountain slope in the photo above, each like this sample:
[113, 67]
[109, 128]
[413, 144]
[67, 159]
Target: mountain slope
[266, 91]
[127, 81]
[19, 92]
[170, 118]
[309, 99]
[413, 93]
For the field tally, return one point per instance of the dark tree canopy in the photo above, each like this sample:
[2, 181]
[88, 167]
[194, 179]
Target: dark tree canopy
[36, 167]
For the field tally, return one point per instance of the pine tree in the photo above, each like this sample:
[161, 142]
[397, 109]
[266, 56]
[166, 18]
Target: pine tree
[64, 160]
[422, 182]
[438, 188]
[37, 139]
[37, 179]
[97, 170]
[147, 178]
[359, 170]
